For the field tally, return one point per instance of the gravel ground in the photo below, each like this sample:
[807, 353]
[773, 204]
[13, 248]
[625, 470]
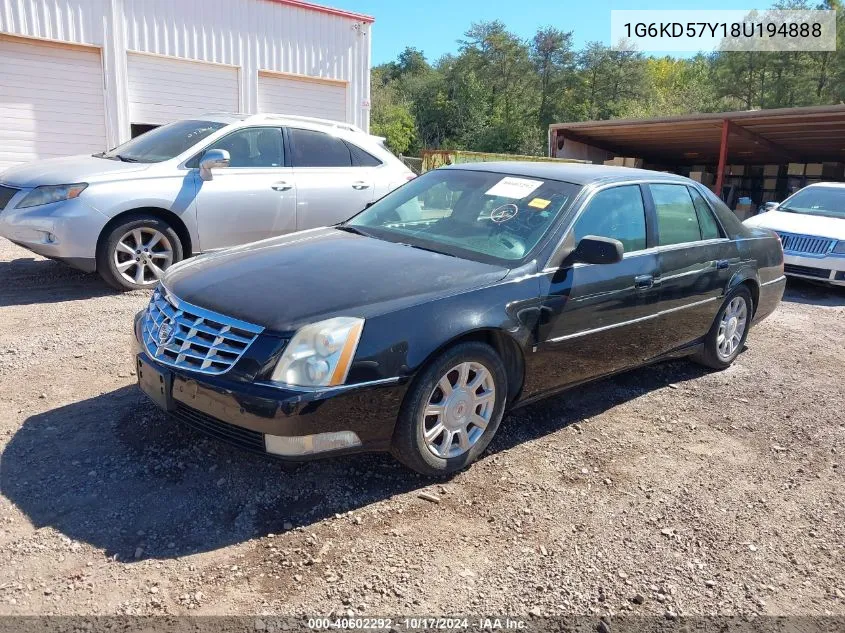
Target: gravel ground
[668, 490]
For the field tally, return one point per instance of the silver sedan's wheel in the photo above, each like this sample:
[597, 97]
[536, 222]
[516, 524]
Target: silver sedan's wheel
[459, 410]
[142, 255]
[732, 328]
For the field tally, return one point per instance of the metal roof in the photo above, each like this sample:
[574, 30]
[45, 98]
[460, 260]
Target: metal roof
[310, 6]
[579, 174]
[810, 134]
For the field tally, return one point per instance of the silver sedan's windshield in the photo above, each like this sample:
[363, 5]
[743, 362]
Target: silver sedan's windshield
[467, 213]
[163, 143]
[825, 201]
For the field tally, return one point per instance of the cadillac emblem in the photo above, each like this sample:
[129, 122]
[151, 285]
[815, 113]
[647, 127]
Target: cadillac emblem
[166, 332]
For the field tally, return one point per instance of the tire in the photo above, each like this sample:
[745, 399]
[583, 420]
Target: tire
[119, 267]
[711, 356]
[409, 443]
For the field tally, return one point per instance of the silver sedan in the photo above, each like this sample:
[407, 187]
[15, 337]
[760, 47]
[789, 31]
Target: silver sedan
[193, 186]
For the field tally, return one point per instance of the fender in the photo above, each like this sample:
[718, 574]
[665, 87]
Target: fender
[425, 330]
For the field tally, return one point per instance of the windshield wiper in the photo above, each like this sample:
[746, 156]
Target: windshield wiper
[351, 229]
[126, 159]
[787, 209]
[425, 248]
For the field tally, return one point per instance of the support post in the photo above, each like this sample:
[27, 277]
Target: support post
[723, 157]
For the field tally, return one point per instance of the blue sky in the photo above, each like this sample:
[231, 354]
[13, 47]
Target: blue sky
[433, 26]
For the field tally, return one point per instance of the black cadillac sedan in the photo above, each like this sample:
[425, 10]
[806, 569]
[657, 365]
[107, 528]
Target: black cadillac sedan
[414, 326]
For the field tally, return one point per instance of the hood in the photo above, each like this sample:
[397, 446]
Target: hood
[66, 170]
[800, 223]
[286, 282]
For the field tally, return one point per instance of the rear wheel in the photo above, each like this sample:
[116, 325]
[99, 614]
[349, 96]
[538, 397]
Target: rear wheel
[452, 410]
[727, 335]
[136, 252]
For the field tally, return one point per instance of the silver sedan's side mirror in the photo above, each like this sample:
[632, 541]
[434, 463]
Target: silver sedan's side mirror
[769, 206]
[213, 159]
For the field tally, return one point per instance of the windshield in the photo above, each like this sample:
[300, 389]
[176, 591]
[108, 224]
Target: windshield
[824, 201]
[163, 143]
[472, 214]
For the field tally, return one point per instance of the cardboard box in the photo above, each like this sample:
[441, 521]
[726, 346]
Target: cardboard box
[771, 171]
[770, 184]
[736, 170]
[703, 177]
[794, 183]
[795, 169]
[634, 162]
[813, 169]
[744, 211]
[619, 161]
[833, 171]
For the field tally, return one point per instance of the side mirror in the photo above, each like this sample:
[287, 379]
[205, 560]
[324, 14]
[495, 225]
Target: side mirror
[597, 250]
[769, 206]
[213, 159]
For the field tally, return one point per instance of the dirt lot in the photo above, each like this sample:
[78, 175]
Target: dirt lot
[669, 489]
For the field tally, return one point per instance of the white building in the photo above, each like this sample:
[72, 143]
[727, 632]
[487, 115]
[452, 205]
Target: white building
[81, 76]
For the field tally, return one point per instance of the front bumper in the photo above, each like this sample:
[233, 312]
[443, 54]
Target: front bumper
[830, 269]
[283, 422]
[67, 231]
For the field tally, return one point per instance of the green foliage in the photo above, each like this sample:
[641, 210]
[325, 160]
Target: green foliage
[500, 93]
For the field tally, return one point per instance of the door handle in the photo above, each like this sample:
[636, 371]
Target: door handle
[644, 282]
[281, 186]
[360, 185]
[722, 264]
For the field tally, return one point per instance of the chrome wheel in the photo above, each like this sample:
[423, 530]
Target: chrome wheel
[732, 328]
[142, 255]
[459, 409]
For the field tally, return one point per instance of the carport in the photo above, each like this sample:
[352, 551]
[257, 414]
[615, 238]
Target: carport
[787, 135]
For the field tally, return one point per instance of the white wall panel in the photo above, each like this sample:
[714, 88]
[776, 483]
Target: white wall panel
[69, 118]
[253, 35]
[165, 89]
[289, 95]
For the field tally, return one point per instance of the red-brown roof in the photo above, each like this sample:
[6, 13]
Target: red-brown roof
[300, 4]
[808, 134]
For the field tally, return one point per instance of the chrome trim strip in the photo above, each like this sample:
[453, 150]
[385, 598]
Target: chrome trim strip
[631, 322]
[329, 390]
[773, 281]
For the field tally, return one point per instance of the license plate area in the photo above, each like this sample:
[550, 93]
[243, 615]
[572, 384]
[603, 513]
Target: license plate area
[158, 385]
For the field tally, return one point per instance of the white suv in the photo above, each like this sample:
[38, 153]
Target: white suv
[193, 186]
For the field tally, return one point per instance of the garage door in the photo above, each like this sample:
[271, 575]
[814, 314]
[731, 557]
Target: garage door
[287, 95]
[51, 101]
[165, 89]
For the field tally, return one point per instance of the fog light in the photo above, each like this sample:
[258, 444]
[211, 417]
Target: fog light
[310, 444]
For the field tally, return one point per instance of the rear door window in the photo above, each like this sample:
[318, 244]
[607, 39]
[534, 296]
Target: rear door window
[707, 221]
[318, 149]
[677, 220]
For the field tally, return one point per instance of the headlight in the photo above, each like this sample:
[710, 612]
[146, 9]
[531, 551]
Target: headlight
[51, 193]
[839, 249]
[320, 354]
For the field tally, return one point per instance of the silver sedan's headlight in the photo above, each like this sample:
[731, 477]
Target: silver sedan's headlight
[51, 193]
[320, 354]
[839, 249]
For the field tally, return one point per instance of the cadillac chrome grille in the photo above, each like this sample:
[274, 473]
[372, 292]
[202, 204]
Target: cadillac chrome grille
[806, 244]
[181, 335]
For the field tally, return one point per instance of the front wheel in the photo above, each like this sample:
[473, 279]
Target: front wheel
[451, 411]
[136, 252]
[726, 337]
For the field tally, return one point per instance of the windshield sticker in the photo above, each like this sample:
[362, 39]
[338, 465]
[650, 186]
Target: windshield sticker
[504, 213]
[510, 187]
[539, 203]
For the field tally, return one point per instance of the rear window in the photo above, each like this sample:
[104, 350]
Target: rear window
[317, 149]
[360, 158]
